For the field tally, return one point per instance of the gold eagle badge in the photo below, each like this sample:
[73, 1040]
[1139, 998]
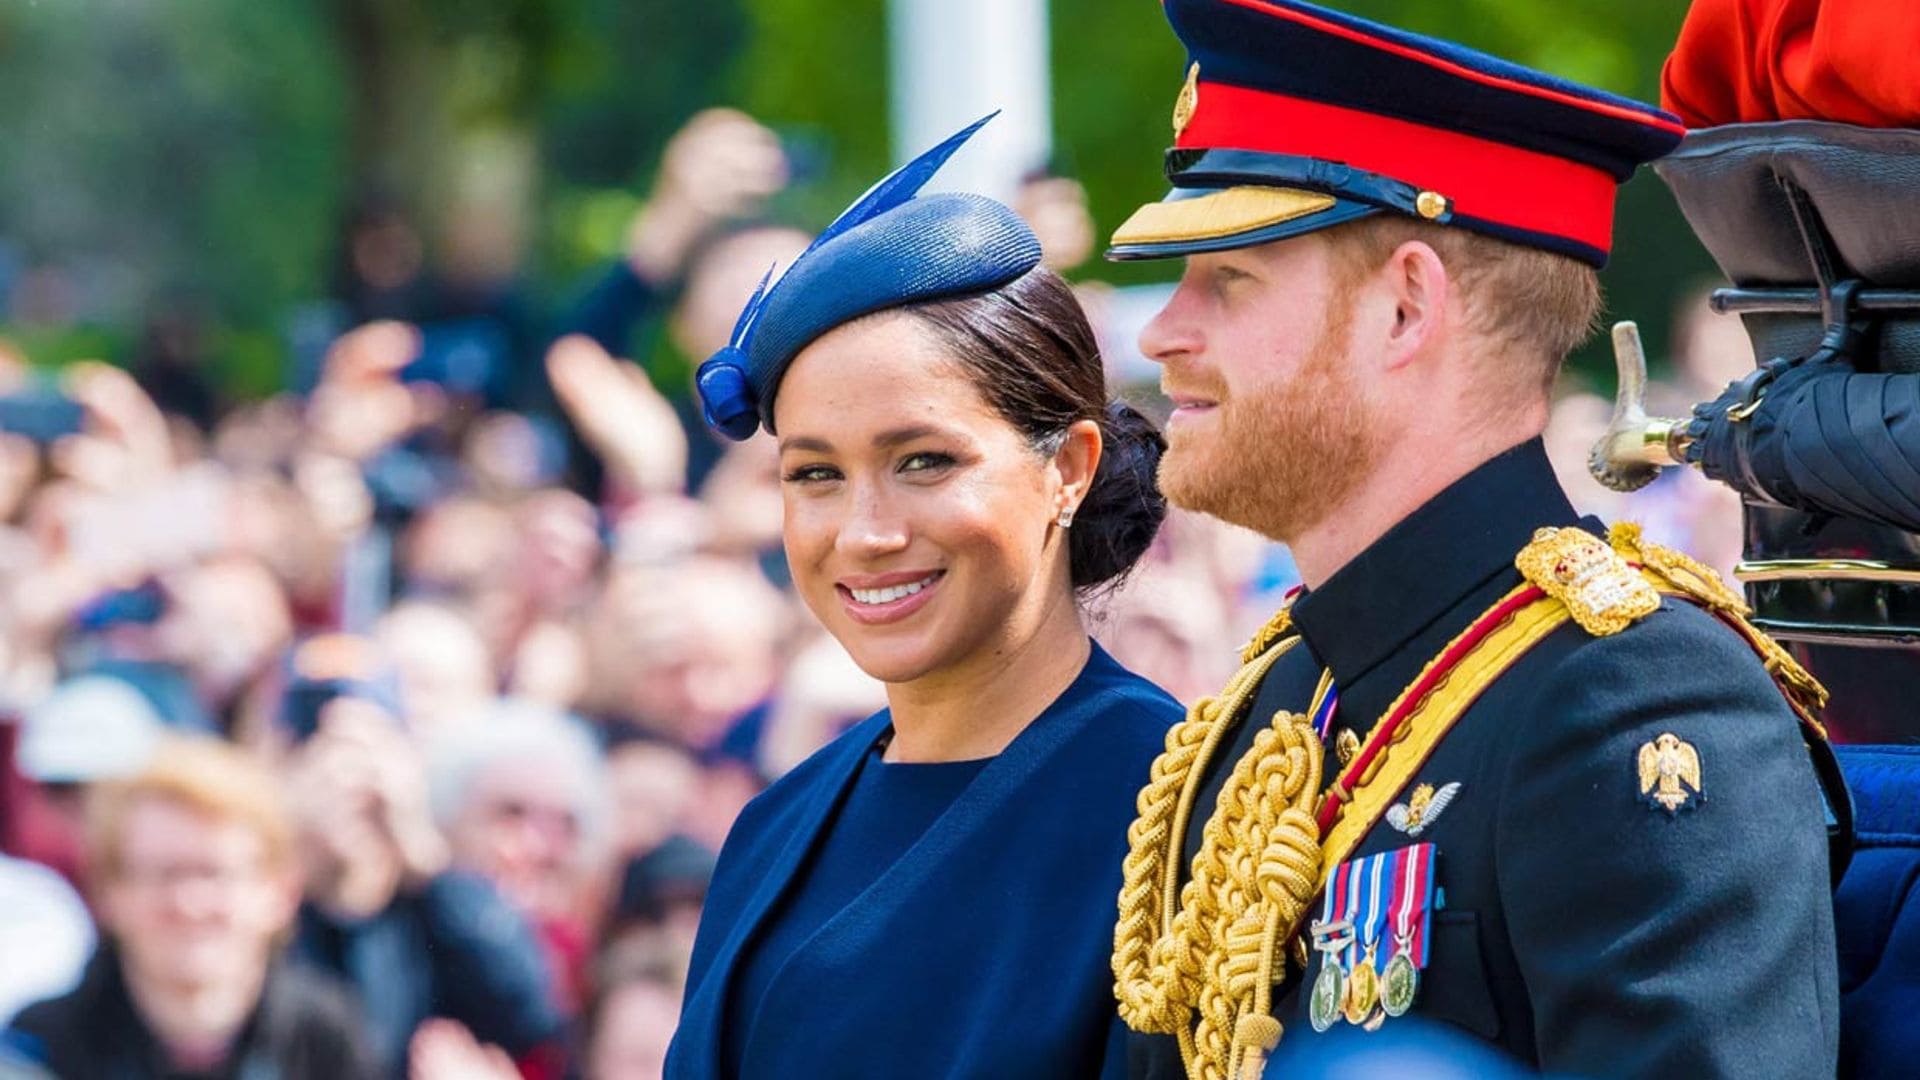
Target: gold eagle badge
[1670, 773]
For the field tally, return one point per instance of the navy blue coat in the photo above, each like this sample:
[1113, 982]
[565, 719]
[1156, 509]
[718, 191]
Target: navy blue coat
[984, 950]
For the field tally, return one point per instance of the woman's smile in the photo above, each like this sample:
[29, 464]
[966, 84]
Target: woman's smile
[877, 599]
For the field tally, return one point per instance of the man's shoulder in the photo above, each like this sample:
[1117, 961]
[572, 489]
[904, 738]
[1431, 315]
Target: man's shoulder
[1679, 648]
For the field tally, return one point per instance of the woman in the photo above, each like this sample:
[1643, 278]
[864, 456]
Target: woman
[931, 894]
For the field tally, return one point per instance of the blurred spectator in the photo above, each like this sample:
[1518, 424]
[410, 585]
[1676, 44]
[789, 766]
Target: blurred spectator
[522, 798]
[1055, 207]
[689, 650]
[383, 909]
[90, 729]
[653, 784]
[821, 694]
[170, 363]
[657, 911]
[628, 1030]
[192, 871]
[380, 268]
[717, 171]
[445, 672]
[225, 623]
[46, 935]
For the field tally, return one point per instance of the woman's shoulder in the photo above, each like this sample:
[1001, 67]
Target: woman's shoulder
[1122, 687]
[1120, 699]
[826, 765]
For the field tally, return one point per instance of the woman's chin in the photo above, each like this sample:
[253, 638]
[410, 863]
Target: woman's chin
[890, 661]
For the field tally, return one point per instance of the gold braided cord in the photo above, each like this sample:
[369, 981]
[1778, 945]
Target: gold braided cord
[1209, 947]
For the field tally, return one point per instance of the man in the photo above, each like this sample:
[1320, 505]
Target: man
[1489, 768]
[384, 908]
[192, 871]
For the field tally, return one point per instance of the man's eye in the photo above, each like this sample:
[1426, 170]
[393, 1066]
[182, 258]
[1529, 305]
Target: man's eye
[925, 462]
[812, 474]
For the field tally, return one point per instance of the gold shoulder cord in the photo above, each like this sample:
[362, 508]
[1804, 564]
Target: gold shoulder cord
[1210, 947]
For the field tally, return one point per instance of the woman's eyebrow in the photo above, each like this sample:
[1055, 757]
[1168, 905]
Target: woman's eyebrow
[807, 443]
[904, 435]
[886, 439]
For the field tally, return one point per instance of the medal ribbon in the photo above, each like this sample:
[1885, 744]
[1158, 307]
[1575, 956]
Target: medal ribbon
[1326, 698]
[1373, 920]
[1413, 901]
[1357, 909]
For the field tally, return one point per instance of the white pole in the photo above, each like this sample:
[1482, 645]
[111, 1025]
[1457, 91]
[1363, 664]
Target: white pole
[954, 61]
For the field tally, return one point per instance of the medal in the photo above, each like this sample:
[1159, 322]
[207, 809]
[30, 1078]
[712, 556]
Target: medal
[1363, 992]
[1332, 933]
[1329, 994]
[1412, 910]
[1398, 984]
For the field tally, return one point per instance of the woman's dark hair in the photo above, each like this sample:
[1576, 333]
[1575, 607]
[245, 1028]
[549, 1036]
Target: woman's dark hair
[1031, 353]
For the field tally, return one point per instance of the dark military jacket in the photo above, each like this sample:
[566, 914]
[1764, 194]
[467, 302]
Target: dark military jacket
[1584, 930]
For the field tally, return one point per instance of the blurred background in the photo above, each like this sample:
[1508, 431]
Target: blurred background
[379, 629]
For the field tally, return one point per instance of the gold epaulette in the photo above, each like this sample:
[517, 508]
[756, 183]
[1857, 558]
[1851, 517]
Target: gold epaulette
[1600, 588]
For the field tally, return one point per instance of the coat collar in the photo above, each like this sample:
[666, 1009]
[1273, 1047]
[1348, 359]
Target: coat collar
[1424, 565]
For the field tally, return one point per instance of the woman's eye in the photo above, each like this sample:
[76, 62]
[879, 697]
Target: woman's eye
[811, 474]
[924, 462]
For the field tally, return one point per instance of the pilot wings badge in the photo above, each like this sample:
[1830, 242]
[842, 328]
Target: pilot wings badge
[1413, 816]
[1670, 774]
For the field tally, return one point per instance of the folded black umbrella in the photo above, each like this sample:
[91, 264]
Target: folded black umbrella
[1824, 439]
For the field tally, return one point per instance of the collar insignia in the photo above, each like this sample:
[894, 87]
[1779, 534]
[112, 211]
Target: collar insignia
[1421, 808]
[1670, 774]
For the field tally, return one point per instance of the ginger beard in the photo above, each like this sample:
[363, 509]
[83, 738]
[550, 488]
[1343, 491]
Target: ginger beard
[1284, 454]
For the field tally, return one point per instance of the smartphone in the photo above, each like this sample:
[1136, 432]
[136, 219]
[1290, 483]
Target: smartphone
[466, 356]
[40, 414]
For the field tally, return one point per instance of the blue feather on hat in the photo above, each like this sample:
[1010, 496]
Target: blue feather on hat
[888, 249]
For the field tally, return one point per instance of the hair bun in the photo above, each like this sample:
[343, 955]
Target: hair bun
[1123, 509]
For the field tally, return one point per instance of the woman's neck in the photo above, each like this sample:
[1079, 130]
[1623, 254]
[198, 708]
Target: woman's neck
[974, 709]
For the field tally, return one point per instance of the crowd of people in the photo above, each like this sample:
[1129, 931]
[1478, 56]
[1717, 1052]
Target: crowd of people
[390, 726]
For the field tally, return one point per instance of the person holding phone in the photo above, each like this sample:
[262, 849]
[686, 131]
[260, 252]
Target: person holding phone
[928, 895]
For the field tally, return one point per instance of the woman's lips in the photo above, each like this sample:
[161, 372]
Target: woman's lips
[875, 600]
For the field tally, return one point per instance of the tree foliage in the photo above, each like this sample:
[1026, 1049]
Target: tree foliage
[206, 147]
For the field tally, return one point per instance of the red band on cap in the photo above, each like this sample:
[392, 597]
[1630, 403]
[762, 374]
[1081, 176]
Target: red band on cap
[1491, 181]
[1441, 63]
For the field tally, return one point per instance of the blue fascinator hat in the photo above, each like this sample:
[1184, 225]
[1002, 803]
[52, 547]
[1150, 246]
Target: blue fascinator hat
[888, 249]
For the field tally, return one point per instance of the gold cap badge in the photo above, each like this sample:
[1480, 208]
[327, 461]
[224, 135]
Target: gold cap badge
[1188, 102]
[1430, 204]
[1670, 773]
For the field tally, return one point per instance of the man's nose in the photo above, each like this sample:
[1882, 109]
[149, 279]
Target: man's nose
[1172, 332]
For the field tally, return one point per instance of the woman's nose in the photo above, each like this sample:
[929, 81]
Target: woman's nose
[873, 525]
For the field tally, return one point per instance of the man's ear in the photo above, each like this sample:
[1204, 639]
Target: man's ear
[1420, 291]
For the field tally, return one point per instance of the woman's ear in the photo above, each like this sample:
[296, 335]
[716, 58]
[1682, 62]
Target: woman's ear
[1075, 463]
